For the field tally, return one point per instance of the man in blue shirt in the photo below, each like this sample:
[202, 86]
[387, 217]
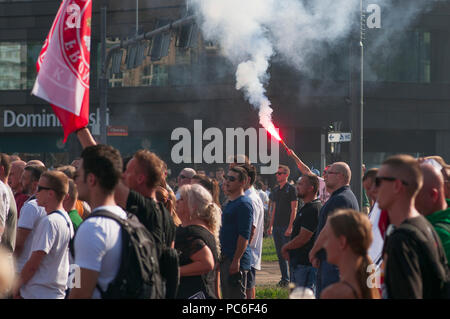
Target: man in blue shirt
[337, 180]
[237, 218]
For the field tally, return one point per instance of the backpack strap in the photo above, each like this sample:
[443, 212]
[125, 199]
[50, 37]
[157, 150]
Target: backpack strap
[106, 214]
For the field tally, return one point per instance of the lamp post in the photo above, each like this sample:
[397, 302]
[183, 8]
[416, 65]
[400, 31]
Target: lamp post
[357, 107]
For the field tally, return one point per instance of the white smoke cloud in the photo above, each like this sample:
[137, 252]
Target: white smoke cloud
[252, 32]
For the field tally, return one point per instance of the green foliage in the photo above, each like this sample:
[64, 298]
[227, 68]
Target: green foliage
[271, 292]
[268, 251]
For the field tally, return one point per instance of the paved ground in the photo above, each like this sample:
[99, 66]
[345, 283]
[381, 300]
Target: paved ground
[269, 274]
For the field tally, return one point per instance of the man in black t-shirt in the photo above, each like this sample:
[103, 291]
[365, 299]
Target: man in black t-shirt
[284, 209]
[409, 266]
[302, 237]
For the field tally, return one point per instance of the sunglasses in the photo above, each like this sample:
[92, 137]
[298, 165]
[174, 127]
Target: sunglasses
[280, 173]
[40, 188]
[231, 178]
[378, 180]
[182, 176]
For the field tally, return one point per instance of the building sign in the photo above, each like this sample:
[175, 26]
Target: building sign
[21, 119]
[117, 131]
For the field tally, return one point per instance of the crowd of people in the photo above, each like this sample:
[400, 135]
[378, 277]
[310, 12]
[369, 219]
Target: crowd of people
[396, 246]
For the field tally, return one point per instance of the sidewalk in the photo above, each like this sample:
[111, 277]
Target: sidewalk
[269, 275]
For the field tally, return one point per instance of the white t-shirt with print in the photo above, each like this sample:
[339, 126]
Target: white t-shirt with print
[30, 215]
[258, 222]
[52, 235]
[98, 246]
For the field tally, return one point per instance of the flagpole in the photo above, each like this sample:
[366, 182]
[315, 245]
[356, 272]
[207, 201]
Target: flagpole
[103, 79]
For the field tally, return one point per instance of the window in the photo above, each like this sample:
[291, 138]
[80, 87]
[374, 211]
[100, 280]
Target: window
[18, 64]
[409, 60]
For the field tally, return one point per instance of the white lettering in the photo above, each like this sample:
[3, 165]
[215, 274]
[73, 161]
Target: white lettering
[374, 19]
[6, 115]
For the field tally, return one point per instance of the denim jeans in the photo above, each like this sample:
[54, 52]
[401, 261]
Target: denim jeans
[304, 276]
[327, 274]
[280, 240]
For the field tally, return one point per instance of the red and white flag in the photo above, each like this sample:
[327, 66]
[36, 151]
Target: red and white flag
[63, 65]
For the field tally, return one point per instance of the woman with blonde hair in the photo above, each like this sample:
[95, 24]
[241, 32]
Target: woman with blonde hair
[197, 240]
[348, 238]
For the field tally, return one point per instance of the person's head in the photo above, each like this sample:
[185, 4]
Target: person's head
[282, 174]
[53, 186]
[100, 169]
[446, 174]
[337, 176]
[251, 172]
[398, 179]
[210, 184]
[220, 172]
[30, 178]
[235, 181]
[201, 172]
[185, 176]
[5, 166]
[307, 187]
[71, 197]
[431, 197]
[168, 199]
[35, 163]
[369, 183]
[69, 170]
[196, 203]
[349, 235]
[144, 172]
[15, 174]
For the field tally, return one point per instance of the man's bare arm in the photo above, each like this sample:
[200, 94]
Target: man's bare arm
[304, 169]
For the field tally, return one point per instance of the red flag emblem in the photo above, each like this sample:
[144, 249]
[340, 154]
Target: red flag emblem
[64, 63]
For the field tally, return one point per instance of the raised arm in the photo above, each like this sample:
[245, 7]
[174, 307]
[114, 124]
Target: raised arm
[304, 169]
[85, 137]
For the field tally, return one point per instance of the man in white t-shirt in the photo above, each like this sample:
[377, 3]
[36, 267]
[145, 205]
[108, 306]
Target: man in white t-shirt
[30, 215]
[98, 243]
[256, 237]
[45, 274]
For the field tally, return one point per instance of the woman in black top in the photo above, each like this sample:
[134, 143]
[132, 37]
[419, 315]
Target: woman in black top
[197, 243]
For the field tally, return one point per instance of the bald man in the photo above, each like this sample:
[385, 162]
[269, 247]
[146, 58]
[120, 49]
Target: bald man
[432, 204]
[337, 180]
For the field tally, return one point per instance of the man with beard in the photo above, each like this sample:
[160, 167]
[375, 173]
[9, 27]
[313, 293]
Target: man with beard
[302, 237]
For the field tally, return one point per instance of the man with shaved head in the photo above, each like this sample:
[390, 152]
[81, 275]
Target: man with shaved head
[446, 173]
[411, 268]
[337, 180]
[14, 181]
[431, 203]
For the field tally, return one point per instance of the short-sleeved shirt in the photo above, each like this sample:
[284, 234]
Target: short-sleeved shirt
[308, 218]
[188, 241]
[30, 215]
[258, 223]
[4, 204]
[98, 246]
[237, 218]
[155, 217]
[50, 279]
[342, 198]
[441, 223]
[409, 273]
[283, 197]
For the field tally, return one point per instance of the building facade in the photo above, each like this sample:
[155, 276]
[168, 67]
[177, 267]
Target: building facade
[406, 95]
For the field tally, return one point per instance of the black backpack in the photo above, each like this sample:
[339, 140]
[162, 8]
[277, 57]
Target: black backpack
[431, 247]
[139, 275]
